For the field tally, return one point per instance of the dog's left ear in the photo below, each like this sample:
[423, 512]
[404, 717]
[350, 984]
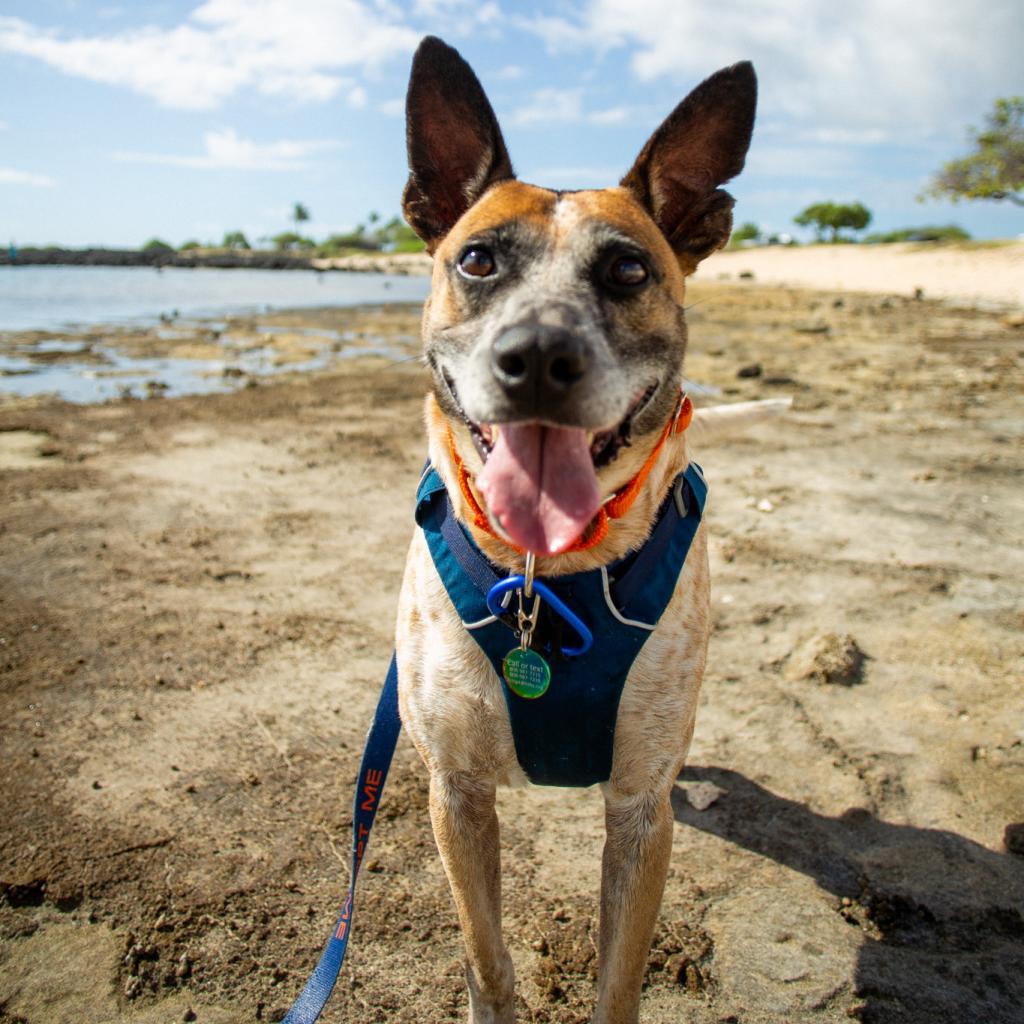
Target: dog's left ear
[455, 146]
[700, 146]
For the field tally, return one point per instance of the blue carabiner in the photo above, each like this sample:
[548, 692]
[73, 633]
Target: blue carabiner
[502, 587]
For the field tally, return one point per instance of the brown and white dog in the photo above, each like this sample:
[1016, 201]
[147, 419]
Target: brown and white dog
[555, 336]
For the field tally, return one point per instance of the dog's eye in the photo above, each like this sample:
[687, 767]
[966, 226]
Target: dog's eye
[627, 272]
[476, 262]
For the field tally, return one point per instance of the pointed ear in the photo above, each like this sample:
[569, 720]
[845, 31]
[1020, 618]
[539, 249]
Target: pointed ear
[455, 146]
[701, 145]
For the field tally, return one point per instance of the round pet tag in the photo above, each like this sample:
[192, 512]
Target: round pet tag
[526, 672]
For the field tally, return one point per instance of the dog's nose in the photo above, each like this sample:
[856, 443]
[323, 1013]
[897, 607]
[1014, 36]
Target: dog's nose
[537, 363]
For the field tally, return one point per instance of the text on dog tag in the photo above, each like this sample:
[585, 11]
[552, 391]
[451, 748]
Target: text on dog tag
[526, 672]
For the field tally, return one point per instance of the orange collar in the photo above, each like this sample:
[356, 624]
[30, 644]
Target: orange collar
[614, 508]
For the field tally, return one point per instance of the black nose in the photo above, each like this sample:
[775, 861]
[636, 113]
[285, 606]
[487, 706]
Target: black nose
[537, 364]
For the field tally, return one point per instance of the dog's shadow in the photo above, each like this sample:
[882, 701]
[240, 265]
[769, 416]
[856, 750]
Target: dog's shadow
[941, 915]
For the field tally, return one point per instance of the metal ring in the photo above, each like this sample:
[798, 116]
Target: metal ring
[531, 561]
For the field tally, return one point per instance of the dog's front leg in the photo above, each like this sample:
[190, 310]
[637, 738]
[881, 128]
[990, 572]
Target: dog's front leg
[466, 831]
[638, 844]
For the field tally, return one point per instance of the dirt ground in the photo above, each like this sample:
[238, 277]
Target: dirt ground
[196, 613]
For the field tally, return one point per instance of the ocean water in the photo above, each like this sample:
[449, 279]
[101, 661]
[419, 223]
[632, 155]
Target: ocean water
[52, 298]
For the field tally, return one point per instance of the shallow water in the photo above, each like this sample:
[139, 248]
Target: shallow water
[48, 298]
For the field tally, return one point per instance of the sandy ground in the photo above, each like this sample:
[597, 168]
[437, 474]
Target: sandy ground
[196, 613]
[976, 273]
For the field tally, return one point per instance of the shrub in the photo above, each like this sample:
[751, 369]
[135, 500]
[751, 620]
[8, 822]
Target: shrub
[931, 233]
[235, 240]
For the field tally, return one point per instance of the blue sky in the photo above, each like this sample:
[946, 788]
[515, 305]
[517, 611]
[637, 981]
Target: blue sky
[119, 122]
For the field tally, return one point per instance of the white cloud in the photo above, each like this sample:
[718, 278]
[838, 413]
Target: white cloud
[613, 115]
[9, 176]
[509, 73]
[847, 136]
[550, 106]
[560, 34]
[563, 106]
[393, 108]
[358, 98]
[226, 150]
[276, 47]
[458, 17]
[885, 70]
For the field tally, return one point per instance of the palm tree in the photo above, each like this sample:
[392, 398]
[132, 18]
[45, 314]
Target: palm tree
[300, 214]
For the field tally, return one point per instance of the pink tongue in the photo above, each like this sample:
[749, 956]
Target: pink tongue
[539, 483]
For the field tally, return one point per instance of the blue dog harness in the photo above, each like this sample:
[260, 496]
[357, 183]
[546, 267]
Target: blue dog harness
[565, 737]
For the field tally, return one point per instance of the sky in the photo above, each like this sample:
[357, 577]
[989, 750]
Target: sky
[182, 120]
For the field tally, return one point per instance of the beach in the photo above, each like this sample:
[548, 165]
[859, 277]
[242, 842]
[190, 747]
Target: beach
[198, 611]
[970, 272]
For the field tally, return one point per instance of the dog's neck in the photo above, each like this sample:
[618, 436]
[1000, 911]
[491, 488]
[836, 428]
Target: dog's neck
[625, 534]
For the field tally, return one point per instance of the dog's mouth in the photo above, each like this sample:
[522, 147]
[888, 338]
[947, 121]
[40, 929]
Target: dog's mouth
[539, 482]
[604, 445]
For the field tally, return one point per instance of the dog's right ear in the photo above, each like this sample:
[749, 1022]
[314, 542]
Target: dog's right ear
[455, 146]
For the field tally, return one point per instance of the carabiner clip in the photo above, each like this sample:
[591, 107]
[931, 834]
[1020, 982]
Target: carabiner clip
[541, 589]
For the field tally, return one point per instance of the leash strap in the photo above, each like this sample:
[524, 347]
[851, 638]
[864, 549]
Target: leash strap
[373, 772]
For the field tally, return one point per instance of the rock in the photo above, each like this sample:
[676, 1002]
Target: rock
[818, 327]
[828, 658]
[1013, 837]
[1015, 321]
[701, 795]
[753, 370]
[746, 275]
[785, 953]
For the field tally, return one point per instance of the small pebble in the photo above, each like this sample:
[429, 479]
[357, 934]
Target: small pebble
[701, 795]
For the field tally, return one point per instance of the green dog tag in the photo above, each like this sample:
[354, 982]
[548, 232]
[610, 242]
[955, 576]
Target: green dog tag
[526, 672]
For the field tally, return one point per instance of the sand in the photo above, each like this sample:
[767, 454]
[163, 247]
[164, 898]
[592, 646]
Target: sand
[196, 614]
[974, 273]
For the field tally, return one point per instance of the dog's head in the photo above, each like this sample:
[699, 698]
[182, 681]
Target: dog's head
[554, 331]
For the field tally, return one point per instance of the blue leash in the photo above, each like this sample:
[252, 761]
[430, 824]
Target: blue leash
[373, 772]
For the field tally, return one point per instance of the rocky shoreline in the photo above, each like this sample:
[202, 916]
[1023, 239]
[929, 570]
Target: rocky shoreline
[220, 259]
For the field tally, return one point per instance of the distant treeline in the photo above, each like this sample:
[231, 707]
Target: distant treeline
[157, 257]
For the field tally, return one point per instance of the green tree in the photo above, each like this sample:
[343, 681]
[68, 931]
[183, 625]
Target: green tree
[829, 216]
[300, 214]
[397, 236]
[192, 243]
[748, 232]
[235, 240]
[995, 168]
[289, 240]
[157, 245]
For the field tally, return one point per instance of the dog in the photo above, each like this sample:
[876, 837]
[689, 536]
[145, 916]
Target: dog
[554, 334]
